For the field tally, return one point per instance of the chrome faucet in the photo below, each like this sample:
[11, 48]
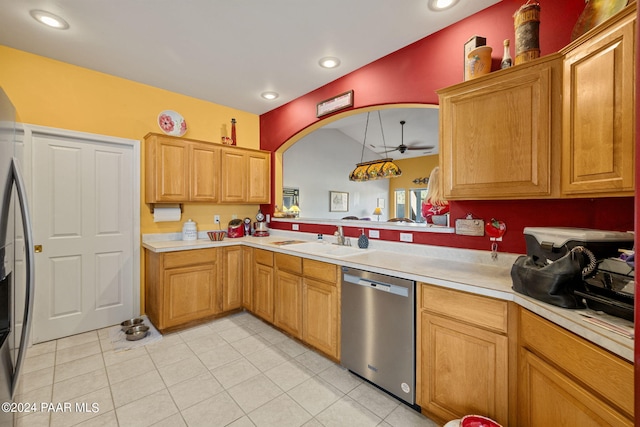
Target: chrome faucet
[339, 236]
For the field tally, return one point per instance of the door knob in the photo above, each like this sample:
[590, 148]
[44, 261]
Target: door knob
[37, 248]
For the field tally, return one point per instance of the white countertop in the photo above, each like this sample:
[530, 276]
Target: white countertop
[465, 270]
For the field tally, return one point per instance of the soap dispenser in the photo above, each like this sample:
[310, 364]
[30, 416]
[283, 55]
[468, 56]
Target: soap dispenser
[363, 240]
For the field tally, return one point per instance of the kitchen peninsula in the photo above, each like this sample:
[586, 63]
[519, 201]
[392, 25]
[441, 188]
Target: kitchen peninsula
[464, 275]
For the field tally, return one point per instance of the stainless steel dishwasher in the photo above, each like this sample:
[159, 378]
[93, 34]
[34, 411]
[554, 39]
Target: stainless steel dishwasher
[378, 331]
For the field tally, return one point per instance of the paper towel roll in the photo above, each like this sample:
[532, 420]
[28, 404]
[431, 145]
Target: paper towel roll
[166, 213]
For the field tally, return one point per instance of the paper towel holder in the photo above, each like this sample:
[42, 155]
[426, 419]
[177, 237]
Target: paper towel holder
[167, 205]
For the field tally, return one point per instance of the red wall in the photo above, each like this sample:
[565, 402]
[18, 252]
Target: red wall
[412, 75]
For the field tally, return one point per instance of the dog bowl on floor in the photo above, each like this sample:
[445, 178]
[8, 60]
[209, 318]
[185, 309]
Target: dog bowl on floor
[130, 323]
[136, 333]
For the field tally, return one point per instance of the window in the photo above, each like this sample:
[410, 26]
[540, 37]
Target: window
[417, 196]
[400, 201]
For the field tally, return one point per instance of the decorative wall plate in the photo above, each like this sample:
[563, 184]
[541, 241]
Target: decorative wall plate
[172, 123]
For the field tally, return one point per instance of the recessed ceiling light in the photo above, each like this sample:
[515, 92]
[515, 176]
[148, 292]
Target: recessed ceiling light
[329, 62]
[49, 19]
[269, 95]
[439, 5]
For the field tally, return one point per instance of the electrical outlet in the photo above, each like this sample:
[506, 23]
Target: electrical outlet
[295, 227]
[216, 219]
[406, 237]
[374, 234]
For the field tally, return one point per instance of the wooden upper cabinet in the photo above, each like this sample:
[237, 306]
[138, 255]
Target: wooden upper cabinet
[181, 170]
[598, 136]
[497, 133]
[245, 176]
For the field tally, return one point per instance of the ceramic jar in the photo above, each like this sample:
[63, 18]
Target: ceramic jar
[189, 231]
[479, 62]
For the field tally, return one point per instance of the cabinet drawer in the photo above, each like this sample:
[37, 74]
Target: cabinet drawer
[192, 257]
[474, 309]
[263, 257]
[321, 271]
[603, 372]
[290, 263]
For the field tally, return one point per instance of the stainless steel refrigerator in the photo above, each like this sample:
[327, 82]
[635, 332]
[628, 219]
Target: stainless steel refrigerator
[16, 290]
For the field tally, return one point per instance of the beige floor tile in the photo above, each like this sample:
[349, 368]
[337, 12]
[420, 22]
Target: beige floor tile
[273, 336]
[221, 324]
[347, 412]
[147, 411]
[288, 375]
[291, 347]
[340, 378]
[77, 367]
[313, 361]
[315, 395]
[171, 354]
[36, 419]
[374, 400]
[126, 369]
[39, 362]
[112, 357]
[206, 343]
[36, 379]
[280, 412]
[83, 409]
[106, 419]
[404, 416]
[79, 351]
[80, 385]
[195, 390]
[254, 392]
[235, 372]
[182, 370]
[78, 339]
[219, 356]
[34, 397]
[135, 388]
[235, 333]
[195, 333]
[219, 410]
[168, 340]
[41, 348]
[268, 358]
[250, 344]
[175, 420]
[242, 422]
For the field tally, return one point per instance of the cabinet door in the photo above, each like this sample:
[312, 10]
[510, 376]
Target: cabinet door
[263, 292]
[247, 278]
[190, 293]
[598, 113]
[259, 177]
[232, 266]
[288, 303]
[497, 132]
[168, 177]
[321, 317]
[549, 398]
[234, 172]
[463, 369]
[205, 169]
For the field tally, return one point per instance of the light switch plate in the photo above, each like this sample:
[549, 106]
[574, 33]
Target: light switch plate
[406, 237]
[295, 227]
[374, 234]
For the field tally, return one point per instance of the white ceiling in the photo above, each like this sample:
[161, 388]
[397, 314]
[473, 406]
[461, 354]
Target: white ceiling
[226, 51]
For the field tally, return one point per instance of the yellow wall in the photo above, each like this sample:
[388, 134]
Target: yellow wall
[52, 93]
[416, 167]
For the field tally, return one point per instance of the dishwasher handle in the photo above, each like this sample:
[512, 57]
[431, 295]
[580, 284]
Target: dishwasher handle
[376, 285]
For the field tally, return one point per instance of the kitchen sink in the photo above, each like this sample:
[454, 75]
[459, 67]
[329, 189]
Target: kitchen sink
[327, 249]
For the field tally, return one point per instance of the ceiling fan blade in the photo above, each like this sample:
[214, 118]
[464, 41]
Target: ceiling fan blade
[426, 147]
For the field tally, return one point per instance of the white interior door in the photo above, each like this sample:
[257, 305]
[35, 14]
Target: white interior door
[84, 218]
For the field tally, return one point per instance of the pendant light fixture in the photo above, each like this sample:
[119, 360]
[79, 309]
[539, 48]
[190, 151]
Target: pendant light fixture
[376, 169]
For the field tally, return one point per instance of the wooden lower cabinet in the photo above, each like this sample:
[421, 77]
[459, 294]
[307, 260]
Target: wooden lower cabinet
[247, 278]
[263, 281]
[565, 380]
[232, 276]
[181, 287]
[288, 294]
[462, 355]
[321, 307]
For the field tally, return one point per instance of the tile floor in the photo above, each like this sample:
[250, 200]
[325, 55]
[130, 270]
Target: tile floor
[235, 371]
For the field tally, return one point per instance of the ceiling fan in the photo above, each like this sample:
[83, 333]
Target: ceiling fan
[402, 148]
